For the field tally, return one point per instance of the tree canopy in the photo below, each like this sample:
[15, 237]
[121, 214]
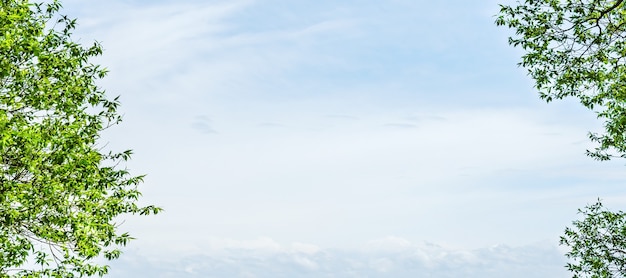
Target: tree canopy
[577, 48]
[597, 243]
[60, 191]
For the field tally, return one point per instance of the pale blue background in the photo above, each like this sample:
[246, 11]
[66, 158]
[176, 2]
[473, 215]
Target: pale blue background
[339, 139]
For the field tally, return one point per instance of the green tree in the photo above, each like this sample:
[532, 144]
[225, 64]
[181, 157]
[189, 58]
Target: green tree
[577, 48]
[60, 192]
[597, 243]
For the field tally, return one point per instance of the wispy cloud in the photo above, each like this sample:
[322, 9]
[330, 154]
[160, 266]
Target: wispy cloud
[203, 124]
[388, 257]
[400, 125]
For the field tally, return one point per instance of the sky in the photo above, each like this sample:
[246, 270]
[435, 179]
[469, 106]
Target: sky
[393, 138]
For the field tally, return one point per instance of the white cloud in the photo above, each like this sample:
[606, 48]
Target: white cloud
[263, 243]
[388, 245]
[305, 248]
[306, 263]
[538, 260]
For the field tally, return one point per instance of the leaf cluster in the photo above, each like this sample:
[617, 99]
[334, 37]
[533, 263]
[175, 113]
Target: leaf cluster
[59, 191]
[577, 48]
[597, 243]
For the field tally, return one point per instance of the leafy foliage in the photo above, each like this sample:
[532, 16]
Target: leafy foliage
[577, 48]
[598, 243]
[59, 191]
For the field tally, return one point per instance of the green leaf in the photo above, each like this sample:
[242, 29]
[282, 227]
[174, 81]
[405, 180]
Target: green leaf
[59, 193]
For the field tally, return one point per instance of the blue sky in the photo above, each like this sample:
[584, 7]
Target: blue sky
[286, 134]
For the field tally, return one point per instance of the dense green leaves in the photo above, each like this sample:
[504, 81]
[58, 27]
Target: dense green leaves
[597, 243]
[59, 192]
[577, 48]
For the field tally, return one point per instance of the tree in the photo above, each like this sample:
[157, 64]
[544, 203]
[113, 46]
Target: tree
[60, 191]
[597, 243]
[577, 48]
